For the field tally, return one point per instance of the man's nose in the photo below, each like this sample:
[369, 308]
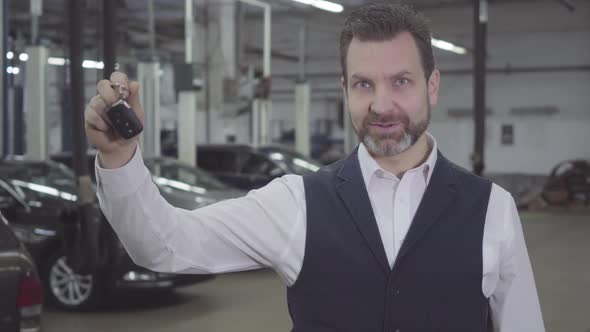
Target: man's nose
[383, 102]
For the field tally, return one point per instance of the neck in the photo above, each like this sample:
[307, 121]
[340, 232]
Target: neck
[416, 155]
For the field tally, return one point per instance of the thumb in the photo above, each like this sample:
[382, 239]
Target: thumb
[135, 100]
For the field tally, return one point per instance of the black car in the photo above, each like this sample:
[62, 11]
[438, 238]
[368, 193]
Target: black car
[21, 295]
[182, 185]
[247, 167]
[42, 192]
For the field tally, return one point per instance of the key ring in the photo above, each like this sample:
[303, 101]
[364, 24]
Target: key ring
[123, 90]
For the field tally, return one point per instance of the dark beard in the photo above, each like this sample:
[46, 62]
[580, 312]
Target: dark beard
[392, 144]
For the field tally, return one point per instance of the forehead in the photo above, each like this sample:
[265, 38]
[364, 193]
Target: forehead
[388, 56]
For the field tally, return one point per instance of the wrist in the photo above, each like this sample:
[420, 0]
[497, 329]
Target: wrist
[117, 158]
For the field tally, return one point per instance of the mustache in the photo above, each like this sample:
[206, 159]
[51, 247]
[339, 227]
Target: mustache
[374, 118]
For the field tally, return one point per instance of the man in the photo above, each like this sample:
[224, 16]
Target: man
[393, 238]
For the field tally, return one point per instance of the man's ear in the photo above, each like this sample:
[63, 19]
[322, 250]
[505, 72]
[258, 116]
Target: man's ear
[433, 86]
[343, 84]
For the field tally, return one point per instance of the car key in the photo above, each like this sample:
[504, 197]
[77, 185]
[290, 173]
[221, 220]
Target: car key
[122, 116]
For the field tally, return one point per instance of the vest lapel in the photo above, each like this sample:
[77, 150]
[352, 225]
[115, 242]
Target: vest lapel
[353, 192]
[439, 195]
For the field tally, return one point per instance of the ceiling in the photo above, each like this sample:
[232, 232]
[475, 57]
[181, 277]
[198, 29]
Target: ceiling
[133, 16]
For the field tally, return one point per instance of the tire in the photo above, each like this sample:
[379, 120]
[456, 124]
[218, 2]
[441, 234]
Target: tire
[68, 290]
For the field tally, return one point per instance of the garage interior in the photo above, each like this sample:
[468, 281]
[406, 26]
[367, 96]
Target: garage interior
[513, 108]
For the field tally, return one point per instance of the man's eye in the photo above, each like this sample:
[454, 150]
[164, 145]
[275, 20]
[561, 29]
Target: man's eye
[402, 81]
[362, 85]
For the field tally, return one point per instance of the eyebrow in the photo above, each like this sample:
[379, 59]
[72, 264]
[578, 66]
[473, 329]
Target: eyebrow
[358, 77]
[394, 76]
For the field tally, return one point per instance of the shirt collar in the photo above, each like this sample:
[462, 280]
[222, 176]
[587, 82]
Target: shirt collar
[370, 167]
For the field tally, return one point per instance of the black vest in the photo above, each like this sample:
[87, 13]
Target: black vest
[346, 283]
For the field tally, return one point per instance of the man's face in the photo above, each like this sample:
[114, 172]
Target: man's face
[388, 96]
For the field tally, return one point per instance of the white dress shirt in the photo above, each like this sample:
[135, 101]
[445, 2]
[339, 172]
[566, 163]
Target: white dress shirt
[267, 228]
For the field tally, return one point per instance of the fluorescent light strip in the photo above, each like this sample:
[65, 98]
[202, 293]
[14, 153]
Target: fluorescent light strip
[56, 61]
[444, 45]
[323, 4]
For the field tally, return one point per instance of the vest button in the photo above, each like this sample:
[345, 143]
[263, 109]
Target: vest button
[395, 292]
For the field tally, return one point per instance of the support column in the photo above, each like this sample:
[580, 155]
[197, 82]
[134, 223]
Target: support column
[302, 135]
[187, 99]
[302, 99]
[36, 103]
[109, 37]
[149, 80]
[480, 15]
[261, 105]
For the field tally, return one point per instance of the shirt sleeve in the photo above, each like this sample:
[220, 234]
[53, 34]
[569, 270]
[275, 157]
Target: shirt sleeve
[238, 234]
[514, 302]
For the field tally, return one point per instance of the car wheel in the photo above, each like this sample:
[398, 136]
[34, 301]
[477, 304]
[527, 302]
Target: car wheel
[68, 290]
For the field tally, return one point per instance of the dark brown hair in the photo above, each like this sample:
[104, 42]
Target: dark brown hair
[382, 21]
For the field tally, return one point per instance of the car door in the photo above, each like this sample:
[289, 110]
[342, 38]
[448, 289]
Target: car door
[223, 164]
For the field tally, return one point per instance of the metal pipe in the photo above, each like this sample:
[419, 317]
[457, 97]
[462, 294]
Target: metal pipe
[152, 28]
[34, 29]
[267, 43]
[480, 15]
[77, 84]
[302, 51]
[188, 31]
[267, 35]
[109, 17]
[36, 8]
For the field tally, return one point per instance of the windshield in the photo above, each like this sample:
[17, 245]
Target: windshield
[43, 179]
[293, 161]
[180, 176]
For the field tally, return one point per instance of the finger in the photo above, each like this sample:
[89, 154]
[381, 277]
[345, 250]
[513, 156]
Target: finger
[98, 104]
[94, 120]
[120, 78]
[107, 93]
[134, 100]
[100, 107]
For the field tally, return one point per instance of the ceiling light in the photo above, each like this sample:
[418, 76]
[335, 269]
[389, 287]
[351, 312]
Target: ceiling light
[23, 57]
[444, 45]
[328, 6]
[323, 4]
[92, 64]
[9, 55]
[56, 61]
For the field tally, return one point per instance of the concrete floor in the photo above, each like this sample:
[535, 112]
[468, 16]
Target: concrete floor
[255, 301]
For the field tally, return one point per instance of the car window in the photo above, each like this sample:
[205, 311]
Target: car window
[293, 161]
[45, 180]
[256, 164]
[184, 174]
[217, 161]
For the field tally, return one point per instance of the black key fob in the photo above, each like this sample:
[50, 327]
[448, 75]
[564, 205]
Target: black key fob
[124, 120]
